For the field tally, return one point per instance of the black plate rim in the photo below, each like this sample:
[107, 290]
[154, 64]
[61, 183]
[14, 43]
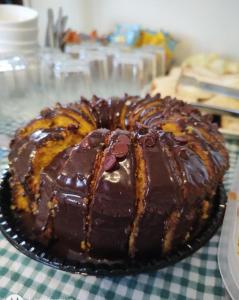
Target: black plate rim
[36, 252]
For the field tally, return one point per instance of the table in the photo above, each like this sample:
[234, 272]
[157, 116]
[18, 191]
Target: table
[196, 277]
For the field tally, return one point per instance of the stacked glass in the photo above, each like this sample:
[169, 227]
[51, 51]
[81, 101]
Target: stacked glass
[31, 82]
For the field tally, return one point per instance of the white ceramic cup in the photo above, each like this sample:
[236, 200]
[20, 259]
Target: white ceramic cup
[17, 16]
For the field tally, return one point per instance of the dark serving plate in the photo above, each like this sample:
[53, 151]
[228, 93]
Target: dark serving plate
[9, 225]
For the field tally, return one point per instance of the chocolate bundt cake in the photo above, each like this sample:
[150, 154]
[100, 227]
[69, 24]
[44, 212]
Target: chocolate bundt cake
[117, 179]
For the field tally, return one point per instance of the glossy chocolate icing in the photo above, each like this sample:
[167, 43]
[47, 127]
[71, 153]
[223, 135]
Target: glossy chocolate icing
[87, 204]
[24, 149]
[65, 183]
[112, 210]
[116, 106]
[161, 197]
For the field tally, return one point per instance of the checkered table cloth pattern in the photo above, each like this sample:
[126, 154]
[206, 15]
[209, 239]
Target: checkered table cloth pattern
[196, 277]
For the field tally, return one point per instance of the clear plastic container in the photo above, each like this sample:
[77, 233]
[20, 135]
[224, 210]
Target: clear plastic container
[228, 252]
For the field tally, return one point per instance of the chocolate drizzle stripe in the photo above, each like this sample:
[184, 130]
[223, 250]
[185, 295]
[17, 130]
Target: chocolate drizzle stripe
[171, 221]
[76, 114]
[201, 149]
[49, 124]
[20, 200]
[65, 113]
[33, 126]
[145, 115]
[191, 222]
[141, 185]
[123, 123]
[98, 165]
[169, 230]
[49, 142]
[134, 116]
[198, 221]
[21, 176]
[127, 110]
[88, 113]
[50, 221]
[137, 108]
[214, 171]
[61, 145]
[153, 119]
[116, 106]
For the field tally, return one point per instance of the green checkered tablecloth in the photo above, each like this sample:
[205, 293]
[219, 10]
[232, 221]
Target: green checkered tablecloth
[196, 277]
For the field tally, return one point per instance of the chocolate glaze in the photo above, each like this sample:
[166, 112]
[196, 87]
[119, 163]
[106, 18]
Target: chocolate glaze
[76, 109]
[129, 103]
[52, 114]
[87, 201]
[101, 110]
[194, 177]
[112, 209]
[161, 198]
[23, 150]
[116, 106]
[68, 184]
[48, 188]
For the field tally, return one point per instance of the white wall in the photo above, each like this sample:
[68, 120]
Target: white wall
[201, 25]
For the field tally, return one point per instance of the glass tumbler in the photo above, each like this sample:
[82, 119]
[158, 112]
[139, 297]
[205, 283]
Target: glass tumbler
[73, 50]
[72, 80]
[98, 65]
[160, 55]
[17, 98]
[14, 83]
[149, 65]
[49, 58]
[127, 74]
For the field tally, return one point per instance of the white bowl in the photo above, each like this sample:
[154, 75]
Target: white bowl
[17, 16]
[18, 35]
[18, 47]
[17, 44]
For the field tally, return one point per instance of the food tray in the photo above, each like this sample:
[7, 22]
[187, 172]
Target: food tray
[9, 225]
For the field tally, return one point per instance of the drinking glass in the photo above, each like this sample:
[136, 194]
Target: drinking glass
[160, 54]
[17, 101]
[98, 65]
[111, 51]
[49, 58]
[73, 50]
[149, 65]
[127, 74]
[72, 79]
